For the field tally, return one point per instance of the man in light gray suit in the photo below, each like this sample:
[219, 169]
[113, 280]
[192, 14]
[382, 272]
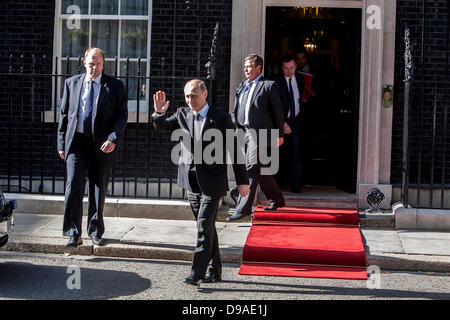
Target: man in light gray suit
[258, 106]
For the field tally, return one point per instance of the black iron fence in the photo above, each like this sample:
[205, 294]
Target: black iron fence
[427, 183]
[29, 112]
[425, 162]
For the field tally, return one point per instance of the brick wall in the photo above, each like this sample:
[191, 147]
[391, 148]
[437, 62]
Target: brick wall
[26, 29]
[431, 60]
[194, 30]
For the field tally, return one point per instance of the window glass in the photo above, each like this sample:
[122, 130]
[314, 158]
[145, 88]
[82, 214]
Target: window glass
[74, 6]
[134, 7]
[104, 36]
[115, 26]
[109, 67]
[73, 66]
[110, 7]
[134, 82]
[134, 39]
[74, 41]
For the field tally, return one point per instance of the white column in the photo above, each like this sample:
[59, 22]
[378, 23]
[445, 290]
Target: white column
[246, 34]
[375, 132]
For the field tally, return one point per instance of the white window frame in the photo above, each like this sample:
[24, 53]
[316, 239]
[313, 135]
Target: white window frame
[59, 17]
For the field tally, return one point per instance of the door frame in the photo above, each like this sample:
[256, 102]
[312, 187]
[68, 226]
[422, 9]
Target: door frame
[377, 69]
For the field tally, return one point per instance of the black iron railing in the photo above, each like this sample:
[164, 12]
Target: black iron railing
[425, 179]
[30, 98]
[428, 172]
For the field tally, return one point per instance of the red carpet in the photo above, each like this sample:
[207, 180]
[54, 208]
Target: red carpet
[305, 242]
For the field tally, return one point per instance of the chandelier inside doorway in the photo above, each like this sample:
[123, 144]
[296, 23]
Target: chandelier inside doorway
[313, 38]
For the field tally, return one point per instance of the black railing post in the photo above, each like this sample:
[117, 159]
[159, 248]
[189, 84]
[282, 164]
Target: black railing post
[10, 108]
[20, 121]
[113, 176]
[55, 125]
[43, 71]
[408, 79]
[211, 66]
[124, 169]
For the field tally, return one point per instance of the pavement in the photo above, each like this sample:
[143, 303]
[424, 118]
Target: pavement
[387, 248]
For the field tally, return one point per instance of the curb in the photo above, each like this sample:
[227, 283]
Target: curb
[408, 262]
[114, 248]
[159, 251]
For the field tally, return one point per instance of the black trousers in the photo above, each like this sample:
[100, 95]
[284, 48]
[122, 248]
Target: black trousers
[293, 145]
[80, 161]
[207, 253]
[268, 184]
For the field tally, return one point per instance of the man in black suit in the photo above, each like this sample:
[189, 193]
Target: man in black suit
[206, 182]
[92, 121]
[257, 107]
[291, 85]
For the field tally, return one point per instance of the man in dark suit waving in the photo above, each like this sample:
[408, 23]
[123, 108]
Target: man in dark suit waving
[206, 182]
[291, 90]
[258, 110]
[92, 121]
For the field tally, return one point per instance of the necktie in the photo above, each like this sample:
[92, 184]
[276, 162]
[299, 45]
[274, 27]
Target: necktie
[196, 140]
[291, 101]
[87, 124]
[197, 126]
[243, 104]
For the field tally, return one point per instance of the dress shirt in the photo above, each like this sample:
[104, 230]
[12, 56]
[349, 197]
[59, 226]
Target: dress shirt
[83, 97]
[249, 99]
[203, 112]
[296, 94]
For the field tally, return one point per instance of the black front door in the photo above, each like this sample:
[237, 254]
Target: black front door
[332, 40]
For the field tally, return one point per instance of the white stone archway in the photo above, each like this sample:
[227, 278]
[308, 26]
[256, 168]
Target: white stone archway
[377, 69]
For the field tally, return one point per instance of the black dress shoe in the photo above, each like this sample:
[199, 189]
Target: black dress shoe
[236, 216]
[74, 242]
[193, 281]
[273, 207]
[98, 241]
[212, 277]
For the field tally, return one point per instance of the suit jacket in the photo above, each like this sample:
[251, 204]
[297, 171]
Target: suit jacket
[110, 120]
[284, 92]
[212, 178]
[266, 110]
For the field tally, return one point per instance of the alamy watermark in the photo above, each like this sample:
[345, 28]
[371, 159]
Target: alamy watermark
[74, 20]
[236, 147]
[74, 280]
[374, 281]
[374, 17]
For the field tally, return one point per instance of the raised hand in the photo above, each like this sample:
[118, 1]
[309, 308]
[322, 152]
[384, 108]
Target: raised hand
[159, 102]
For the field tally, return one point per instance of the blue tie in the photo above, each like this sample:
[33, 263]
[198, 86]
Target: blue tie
[87, 124]
[291, 101]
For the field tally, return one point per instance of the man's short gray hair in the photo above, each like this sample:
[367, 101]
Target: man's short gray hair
[196, 83]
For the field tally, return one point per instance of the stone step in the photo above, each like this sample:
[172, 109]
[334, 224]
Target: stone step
[180, 209]
[320, 200]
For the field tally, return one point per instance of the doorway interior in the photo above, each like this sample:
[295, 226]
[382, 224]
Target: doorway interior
[332, 40]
